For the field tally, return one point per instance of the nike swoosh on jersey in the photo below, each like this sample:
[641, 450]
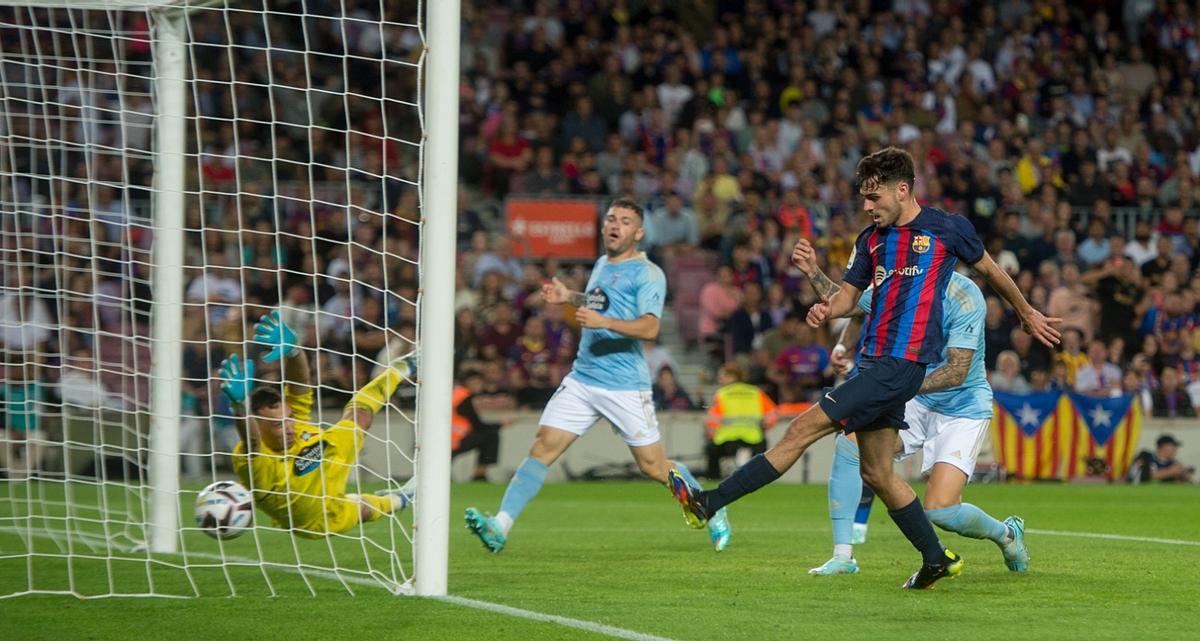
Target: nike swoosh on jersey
[831, 399]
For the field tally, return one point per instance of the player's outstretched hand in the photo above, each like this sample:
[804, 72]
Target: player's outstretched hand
[236, 378]
[271, 330]
[555, 292]
[804, 257]
[818, 314]
[1042, 328]
[591, 318]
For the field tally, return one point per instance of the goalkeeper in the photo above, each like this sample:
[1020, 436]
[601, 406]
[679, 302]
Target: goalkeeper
[296, 470]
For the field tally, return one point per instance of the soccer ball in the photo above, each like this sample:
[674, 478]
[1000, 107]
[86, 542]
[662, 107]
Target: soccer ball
[224, 510]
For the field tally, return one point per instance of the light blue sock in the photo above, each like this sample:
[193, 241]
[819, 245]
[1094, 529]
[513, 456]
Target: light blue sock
[521, 490]
[969, 521]
[845, 488]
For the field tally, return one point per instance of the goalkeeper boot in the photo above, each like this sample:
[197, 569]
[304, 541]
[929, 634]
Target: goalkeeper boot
[719, 530]
[951, 566]
[694, 512]
[486, 528]
[1016, 555]
[837, 565]
[858, 535]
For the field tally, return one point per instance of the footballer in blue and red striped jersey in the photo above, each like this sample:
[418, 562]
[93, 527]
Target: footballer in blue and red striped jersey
[909, 266]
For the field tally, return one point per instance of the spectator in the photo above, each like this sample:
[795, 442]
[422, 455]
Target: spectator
[1171, 400]
[802, 369]
[500, 260]
[1160, 465]
[1071, 302]
[667, 393]
[737, 418]
[498, 338]
[1069, 355]
[747, 324]
[1007, 375]
[1098, 377]
[718, 300]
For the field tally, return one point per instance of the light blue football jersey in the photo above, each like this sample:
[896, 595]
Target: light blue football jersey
[962, 323]
[626, 290]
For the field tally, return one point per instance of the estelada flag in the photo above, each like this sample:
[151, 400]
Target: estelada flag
[1026, 434]
[1107, 429]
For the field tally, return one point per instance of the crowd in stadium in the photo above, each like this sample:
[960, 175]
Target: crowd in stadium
[1068, 133]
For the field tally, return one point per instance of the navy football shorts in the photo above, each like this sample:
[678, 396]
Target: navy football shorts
[874, 398]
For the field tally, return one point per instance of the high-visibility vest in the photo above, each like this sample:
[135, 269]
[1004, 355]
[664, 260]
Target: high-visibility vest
[459, 425]
[739, 412]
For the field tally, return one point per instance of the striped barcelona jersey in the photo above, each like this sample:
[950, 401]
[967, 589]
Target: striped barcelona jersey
[909, 267]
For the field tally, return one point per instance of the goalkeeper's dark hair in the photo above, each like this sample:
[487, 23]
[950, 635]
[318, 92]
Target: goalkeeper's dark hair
[631, 205]
[886, 166]
[263, 397]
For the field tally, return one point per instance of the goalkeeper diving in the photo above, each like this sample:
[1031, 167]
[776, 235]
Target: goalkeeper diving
[296, 470]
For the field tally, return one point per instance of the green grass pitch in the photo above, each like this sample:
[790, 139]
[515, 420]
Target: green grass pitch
[618, 554]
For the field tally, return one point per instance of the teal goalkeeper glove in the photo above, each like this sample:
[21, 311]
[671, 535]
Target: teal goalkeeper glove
[236, 379]
[270, 330]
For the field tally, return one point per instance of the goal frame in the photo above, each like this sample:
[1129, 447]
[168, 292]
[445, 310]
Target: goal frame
[439, 83]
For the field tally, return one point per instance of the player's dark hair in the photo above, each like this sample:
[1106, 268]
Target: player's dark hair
[631, 205]
[263, 397]
[886, 166]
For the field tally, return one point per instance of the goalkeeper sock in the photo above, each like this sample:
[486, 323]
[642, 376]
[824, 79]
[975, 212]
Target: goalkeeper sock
[845, 487]
[915, 525]
[521, 490]
[969, 521]
[756, 473]
[375, 395]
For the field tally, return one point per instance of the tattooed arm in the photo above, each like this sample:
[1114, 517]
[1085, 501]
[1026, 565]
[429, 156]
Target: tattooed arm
[804, 257]
[951, 374]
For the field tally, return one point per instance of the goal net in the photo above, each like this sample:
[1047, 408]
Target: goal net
[169, 173]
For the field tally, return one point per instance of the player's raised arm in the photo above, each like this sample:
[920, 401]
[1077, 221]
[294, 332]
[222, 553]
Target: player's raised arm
[237, 379]
[838, 301]
[271, 330]
[1033, 321]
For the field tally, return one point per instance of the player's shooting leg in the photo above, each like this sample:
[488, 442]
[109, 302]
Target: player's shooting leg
[763, 469]
[811, 426]
[876, 449]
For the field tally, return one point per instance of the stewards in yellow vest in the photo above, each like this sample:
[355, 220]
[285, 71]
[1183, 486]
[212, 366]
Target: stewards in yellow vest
[739, 414]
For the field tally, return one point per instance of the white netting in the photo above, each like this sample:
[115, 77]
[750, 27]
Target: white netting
[303, 164]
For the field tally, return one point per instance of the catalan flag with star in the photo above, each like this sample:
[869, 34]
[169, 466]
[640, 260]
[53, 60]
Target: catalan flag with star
[1026, 433]
[1052, 435]
[1105, 429]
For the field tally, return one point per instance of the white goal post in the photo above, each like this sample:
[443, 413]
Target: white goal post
[139, 522]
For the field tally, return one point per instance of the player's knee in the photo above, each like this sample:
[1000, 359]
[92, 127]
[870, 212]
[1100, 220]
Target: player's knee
[876, 475]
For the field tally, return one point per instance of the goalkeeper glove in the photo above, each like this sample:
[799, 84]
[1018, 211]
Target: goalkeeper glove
[236, 379]
[270, 330]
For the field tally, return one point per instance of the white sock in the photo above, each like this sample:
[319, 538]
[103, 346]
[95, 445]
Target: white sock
[843, 550]
[505, 522]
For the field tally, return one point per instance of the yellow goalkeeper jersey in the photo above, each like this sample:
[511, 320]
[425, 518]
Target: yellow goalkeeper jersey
[304, 488]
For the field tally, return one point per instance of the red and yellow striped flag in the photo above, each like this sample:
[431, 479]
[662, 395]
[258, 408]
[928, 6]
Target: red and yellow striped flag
[1027, 434]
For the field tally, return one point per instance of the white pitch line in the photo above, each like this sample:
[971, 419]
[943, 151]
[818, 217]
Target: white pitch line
[587, 626]
[1115, 537]
[578, 624]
